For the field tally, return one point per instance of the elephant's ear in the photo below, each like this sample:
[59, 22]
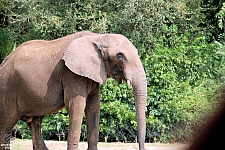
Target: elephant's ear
[84, 57]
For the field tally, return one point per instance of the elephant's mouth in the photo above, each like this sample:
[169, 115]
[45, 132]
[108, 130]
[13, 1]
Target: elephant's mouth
[115, 71]
[119, 80]
[118, 76]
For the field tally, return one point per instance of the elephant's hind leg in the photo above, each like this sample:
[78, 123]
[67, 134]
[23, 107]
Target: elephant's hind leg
[5, 136]
[35, 128]
[7, 121]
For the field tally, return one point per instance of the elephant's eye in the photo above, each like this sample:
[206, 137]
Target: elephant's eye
[120, 56]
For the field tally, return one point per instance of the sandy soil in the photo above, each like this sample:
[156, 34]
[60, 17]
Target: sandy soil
[61, 145]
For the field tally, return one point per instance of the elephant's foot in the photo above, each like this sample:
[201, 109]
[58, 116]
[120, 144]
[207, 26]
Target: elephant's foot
[72, 147]
[40, 147]
[92, 149]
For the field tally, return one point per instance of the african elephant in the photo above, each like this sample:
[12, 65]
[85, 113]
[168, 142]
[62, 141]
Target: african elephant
[41, 77]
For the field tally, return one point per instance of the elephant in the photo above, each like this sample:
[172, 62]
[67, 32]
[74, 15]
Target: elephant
[42, 77]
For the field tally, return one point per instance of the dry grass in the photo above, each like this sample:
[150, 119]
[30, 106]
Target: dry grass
[19, 144]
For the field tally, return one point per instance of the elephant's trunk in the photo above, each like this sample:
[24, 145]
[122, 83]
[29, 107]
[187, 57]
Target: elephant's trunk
[140, 94]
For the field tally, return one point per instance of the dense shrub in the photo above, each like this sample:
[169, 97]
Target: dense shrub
[6, 44]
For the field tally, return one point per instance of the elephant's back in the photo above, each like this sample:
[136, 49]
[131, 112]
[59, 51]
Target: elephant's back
[32, 66]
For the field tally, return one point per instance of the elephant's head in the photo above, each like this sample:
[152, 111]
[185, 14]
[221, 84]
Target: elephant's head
[111, 55]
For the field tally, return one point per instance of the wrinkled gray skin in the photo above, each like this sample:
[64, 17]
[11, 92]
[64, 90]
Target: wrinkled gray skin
[41, 77]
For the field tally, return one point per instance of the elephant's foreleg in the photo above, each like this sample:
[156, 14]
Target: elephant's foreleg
[92, 113]
[35, 128]
[75, 108]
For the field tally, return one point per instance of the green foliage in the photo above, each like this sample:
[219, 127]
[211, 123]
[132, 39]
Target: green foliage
[221, 15]
[117, 112]
[6, 44]
[177, 79]
[221, 51]
[56, 124]
[52, 19]
[221, 23]
[52, 125]
[23, 130]
[210, 9]
[179, 116]
[184, 67]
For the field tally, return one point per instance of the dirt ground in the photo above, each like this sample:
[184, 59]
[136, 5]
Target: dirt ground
[19, 144]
